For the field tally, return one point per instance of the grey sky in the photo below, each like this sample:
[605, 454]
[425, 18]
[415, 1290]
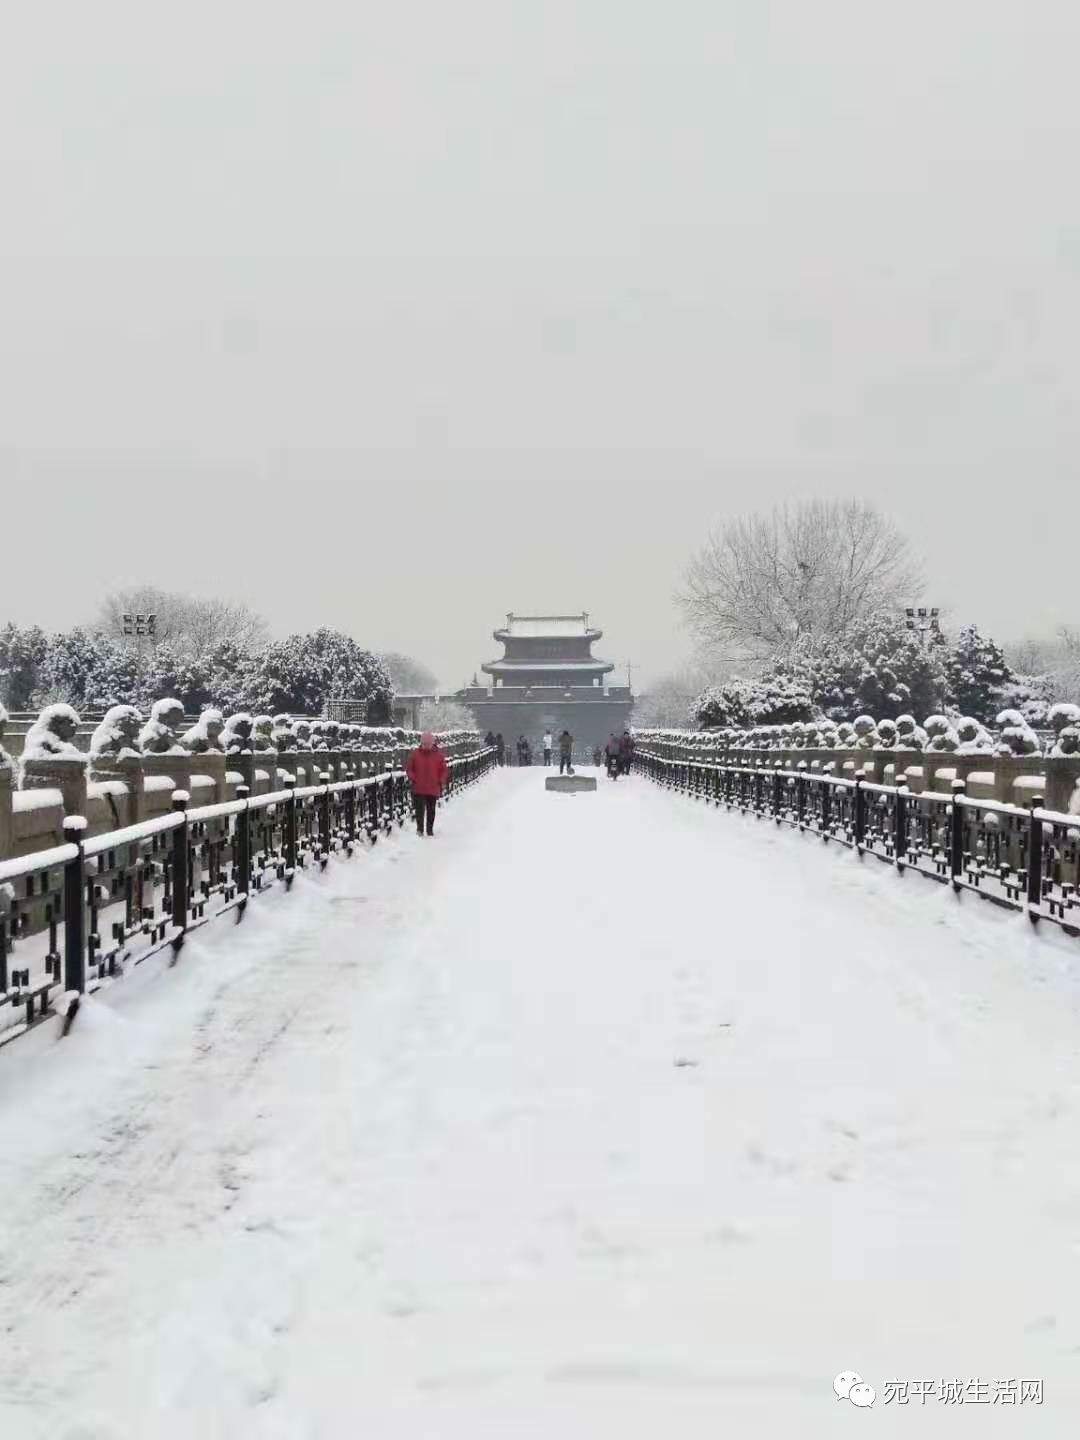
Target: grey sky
[396, 317]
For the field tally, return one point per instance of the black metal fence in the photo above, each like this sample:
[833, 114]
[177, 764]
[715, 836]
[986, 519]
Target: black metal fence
[80, 913]
[1022, 858]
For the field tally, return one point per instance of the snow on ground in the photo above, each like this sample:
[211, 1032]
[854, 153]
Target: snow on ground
[603, 1115]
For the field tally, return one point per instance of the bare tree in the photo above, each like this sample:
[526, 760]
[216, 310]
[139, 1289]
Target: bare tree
[184, 620]
[445, 715]
[763, 583]
[668, 700]
[1056, 657]
[410, 677]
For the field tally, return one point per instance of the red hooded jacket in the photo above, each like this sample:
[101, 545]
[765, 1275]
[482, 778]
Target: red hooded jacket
[427, 771]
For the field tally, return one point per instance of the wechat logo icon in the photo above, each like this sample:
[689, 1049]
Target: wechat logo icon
[849, 1385]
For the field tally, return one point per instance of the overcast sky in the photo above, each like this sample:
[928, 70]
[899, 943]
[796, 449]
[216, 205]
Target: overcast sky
[394, 317]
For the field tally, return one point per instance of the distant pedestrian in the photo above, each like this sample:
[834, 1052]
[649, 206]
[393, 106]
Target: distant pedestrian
[500, 749]
[547, 747]
[626, 752]
[522, 750]
[566, 751]
[597, 756]
[489, 741]
[427, 772]
[611, 755]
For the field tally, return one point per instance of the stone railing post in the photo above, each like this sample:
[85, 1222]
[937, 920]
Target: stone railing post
[1062, 778]
[66, 773]
[129, 771]
[212, 763]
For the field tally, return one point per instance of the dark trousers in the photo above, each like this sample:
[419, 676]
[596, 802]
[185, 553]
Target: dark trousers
[547, 757]
[564, 762]
[424, 806]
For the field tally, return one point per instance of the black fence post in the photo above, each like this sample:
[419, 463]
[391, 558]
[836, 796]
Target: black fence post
[826, 801]
[800, 794]
[1035, 860]
[860, 812]
[324, 819]
[900, 822]
[350, 813]
[75, 907]
[292, 849]
[242, 863]
[777, 794]
[956, 832]
[181, 868]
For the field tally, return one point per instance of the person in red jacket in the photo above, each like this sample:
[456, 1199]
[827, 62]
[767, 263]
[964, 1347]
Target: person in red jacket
[427, 772]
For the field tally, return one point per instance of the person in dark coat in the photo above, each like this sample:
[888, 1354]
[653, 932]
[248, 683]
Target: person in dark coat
[566, 751]
[626, 752]
[500, 749]
[611, 755]
[522, 750]
[427, 771]
[597, 756]
[489, 741]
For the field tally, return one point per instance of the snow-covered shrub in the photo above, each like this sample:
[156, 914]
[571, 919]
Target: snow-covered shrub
[909, 734]
[1015, 735]
[204, 737]
[865, 732]
[845, 735]
[283, 736]
[973, 737]
[1063, 717]
[237, 734]
[262, 733]
[52, 733]
[941, 735]
[302, 731]
[117, 737]
[161, 733]
[1066, 742]
[887, 735]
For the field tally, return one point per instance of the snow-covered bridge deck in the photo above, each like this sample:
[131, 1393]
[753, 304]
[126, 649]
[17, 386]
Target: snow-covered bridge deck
[598, 1115]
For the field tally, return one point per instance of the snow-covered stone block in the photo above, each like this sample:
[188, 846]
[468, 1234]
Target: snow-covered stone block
[570, 784]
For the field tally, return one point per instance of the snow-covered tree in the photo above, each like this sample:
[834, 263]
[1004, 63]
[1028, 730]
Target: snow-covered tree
[1032, 695]
[298, 675]
[22, 655]
[88, 670]
[880, 669]
[772, 699]
[976, 674]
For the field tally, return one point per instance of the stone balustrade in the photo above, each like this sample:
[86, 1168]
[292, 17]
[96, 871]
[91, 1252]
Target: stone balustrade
[1011, 779]
[114, 791]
